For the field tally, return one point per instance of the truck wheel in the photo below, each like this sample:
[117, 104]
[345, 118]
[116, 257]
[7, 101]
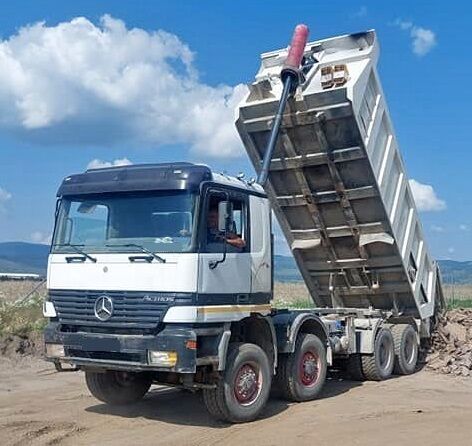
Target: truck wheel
[113, 387]
[301, 374]
[379, 365]
[406, 349]
[242, 391]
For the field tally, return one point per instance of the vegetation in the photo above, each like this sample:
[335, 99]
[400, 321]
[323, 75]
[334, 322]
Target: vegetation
[459, 303]
[21, 317]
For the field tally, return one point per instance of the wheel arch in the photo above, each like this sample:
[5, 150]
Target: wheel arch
[288, 327]
[255, 329]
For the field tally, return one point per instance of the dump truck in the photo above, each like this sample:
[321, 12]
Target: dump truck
[163, 273]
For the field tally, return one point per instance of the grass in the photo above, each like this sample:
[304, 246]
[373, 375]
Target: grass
[291, 295]
[21, 317]
[459, 303]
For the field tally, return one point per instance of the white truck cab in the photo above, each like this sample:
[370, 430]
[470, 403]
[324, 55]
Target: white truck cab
[119, 216]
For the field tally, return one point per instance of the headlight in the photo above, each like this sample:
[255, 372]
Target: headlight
[48, 309]
[161, 358]
[55, 351]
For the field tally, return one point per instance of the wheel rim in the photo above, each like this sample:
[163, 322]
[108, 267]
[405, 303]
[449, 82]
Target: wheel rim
[247, 384]
[309, 369]
[385, 353]
[409, 348]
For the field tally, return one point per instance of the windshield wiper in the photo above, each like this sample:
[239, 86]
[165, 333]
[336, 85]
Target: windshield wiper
[78, 251]
[142, 248]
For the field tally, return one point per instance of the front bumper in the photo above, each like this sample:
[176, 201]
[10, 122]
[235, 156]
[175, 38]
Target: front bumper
[123, 352]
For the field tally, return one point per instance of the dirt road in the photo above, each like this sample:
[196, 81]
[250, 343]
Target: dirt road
[39, 406]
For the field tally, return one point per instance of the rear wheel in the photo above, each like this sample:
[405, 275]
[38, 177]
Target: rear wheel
[113, 387]
[379, 365]
[242, 391]
[406, 345]
[301, 374]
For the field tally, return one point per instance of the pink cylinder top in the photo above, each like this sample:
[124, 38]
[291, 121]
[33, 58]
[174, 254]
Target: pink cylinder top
[297, 47]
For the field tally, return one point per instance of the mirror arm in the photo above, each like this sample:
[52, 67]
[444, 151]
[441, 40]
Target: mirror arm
[214, 263]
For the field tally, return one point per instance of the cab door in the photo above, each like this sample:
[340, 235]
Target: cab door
[229, 282]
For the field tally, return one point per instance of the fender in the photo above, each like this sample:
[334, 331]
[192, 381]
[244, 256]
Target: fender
[226, 334]
[287, 326]
[366, 331]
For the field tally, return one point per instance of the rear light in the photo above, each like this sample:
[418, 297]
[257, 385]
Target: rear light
[191, 344]
[334, 76]
[327, 77]
[340, 75]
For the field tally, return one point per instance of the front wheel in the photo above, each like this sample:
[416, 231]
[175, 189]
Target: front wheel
[301, 374]
[242, 391]
[117, 388]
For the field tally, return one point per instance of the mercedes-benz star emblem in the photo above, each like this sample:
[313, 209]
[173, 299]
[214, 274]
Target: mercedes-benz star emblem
[103, 308]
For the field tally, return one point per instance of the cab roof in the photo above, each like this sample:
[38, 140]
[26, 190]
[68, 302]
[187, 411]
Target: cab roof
[148, 177]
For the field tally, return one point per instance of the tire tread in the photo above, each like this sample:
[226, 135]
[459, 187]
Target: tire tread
[398, 331]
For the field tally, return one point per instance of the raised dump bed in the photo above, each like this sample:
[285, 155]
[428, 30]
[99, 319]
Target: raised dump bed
[337, 181]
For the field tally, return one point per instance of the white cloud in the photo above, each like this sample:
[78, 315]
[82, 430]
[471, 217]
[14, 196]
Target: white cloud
[361, 12]
[436, 228]
[463, 227]
[423, 40]
[80, 82]
[4, 195]
[99, 164]
[425, 197]
[41, 237]
[451, 250]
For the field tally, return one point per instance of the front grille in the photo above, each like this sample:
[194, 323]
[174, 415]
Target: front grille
[131, 309]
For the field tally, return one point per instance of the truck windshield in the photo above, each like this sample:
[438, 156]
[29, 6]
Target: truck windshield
[157, 221]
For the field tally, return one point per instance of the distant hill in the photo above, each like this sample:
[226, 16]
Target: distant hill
[21, 257]
[456, 272]
[286, 270]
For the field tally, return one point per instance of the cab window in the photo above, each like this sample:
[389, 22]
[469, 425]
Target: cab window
[236, 238]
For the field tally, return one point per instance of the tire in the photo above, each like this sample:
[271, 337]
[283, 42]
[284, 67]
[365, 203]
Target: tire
[243, 389]
[117, 388]
[354, 368]
[406, 345]
[302, 374]
[379, 365]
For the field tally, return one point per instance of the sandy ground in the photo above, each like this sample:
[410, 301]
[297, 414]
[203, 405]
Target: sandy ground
[39, 406]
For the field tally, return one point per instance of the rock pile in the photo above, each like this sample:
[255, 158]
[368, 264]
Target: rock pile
[451, 344]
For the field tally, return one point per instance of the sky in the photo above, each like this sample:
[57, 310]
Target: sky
[91, 83]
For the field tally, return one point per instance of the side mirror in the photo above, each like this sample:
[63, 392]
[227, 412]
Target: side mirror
[225, 216]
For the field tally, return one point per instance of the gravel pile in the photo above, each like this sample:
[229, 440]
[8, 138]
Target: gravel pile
[451, 344]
